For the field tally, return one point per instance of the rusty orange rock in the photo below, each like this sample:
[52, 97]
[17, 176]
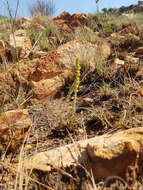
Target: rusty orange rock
[57, 67]
[13, 127]
[118, 154]
[47, 74]
[72, 21]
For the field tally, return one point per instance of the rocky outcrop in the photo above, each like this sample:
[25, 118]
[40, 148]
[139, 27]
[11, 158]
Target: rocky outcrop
[13, 127]
[68, 24]
[48, 74]
[72, 21]
[52, 72]
[125, 40]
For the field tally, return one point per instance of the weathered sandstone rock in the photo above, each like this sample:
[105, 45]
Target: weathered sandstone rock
[139, 52]
[22, 23]
[68, 23]
[75, 20]
[47, 74]
[119, 154]
[7, 87]
[13, 127]
[59, 66]
[47, 87]
[21, 42]
[128, 39]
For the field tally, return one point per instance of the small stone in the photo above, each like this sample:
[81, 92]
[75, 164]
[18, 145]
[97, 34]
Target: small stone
[139, 50]
[132, 60]
[27, 147]
[119, 61]
[81, 131]
[87, 101]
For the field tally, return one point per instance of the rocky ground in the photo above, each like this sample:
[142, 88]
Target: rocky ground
[39, 109]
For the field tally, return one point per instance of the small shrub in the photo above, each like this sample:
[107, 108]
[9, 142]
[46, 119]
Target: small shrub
[86, 34]
[102, 117]
[125, 89]
[105, 90]
[101, 67]
[109, 22]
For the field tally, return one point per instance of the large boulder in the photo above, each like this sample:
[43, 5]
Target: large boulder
[56, 68]
[119, 154]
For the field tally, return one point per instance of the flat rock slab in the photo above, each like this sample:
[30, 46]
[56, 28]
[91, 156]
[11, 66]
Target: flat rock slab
[118, 154]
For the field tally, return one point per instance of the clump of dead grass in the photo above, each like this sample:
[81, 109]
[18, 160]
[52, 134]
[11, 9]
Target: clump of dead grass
[44, 34]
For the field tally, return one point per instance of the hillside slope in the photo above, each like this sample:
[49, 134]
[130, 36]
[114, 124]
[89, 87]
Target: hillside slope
[67, 79]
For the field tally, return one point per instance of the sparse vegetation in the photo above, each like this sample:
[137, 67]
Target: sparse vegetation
[73, 91]
[44, 33]
[101, 67]
[5, 26]
[66, 100]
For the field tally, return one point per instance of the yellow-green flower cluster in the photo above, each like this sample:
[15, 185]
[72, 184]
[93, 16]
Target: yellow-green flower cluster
[76, 84]
[73, 92]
